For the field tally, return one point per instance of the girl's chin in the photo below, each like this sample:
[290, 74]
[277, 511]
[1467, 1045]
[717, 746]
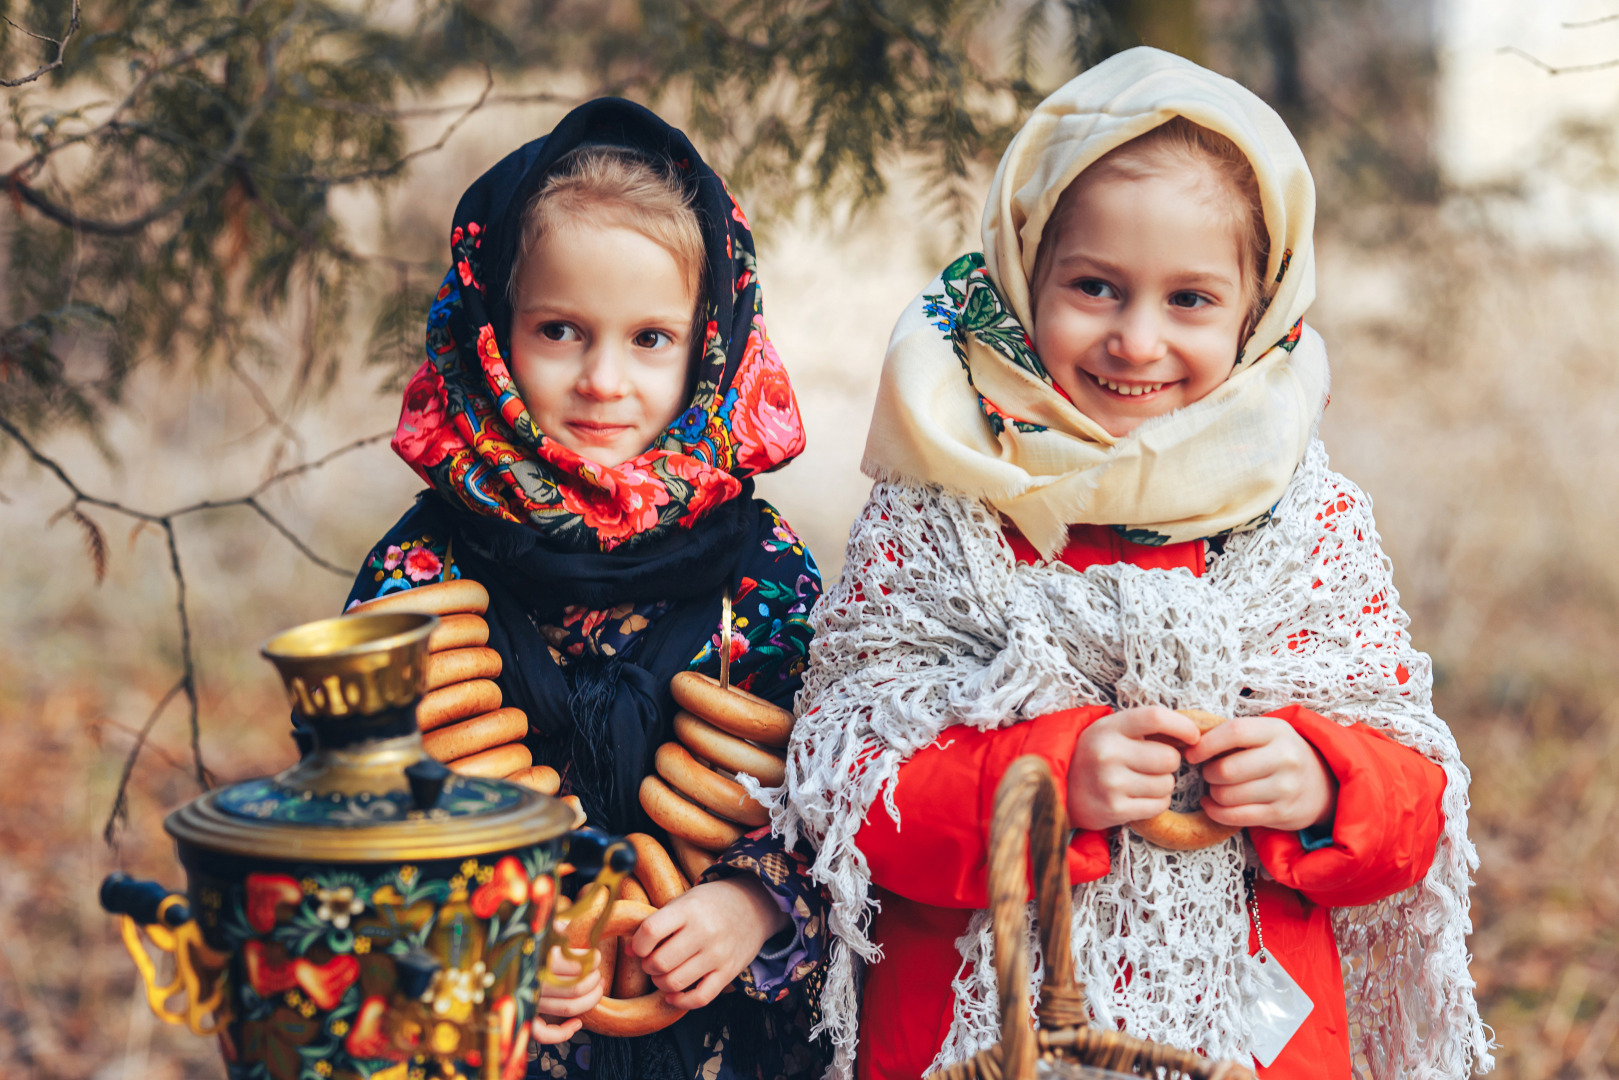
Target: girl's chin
[1120, 415]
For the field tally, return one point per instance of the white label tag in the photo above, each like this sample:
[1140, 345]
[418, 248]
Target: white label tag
[1278, 1007]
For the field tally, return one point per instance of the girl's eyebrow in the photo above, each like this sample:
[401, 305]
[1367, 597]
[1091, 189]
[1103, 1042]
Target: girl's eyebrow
[1190, 278]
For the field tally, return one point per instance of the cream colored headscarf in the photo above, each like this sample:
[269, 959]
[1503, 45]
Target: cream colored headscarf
[1000, 431]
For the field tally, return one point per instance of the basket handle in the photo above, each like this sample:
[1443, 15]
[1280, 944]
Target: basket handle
[1029, 821]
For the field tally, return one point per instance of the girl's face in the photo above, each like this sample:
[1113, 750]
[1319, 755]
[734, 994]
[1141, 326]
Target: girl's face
[601, 337]
[1139, 310]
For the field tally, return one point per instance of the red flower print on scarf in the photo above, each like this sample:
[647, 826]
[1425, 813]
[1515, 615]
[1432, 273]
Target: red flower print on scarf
[710, 486]
[423, 437]
[421, 564]
[765, 416]
[616, 503]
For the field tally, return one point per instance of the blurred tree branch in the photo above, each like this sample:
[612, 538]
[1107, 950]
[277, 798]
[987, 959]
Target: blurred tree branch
[96, 544]
[61, 47]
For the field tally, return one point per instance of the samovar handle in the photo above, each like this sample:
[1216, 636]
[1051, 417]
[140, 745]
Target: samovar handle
[613, 859]
[165, 917]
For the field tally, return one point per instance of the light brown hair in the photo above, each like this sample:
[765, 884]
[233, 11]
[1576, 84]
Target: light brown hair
[1177, 145]
[611, 185]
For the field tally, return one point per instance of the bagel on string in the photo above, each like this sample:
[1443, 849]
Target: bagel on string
[744, 715]
[708, 788]
[654, 869]
[630, 980]
[679, 816]
[458, 631]
[541, 778]
[495, 764]
[728, 753]
[572, 802]
[460, 665]
[453, 597]
[458, 701]
[692, 859]
[1179, 830]
[468, 737]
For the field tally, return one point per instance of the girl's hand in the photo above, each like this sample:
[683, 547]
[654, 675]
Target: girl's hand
[556, 1004]
[1270, 776]
[701, 940]
[1122, 769]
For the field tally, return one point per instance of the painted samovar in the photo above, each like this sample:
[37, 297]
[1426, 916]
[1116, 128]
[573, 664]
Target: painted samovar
[366, 913]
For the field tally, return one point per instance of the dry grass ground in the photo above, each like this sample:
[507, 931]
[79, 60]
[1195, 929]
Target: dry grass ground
[1475, 397]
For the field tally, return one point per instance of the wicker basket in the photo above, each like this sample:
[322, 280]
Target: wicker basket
[1029, 814]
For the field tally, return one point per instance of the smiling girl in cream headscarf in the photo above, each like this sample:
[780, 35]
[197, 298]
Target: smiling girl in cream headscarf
[1100, 498]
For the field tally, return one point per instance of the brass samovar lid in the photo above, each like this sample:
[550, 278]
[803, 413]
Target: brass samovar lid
[365, 791]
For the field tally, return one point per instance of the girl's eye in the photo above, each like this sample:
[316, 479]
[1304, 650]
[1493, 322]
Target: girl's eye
[558, 331]
[652, 339]
[1188, 300]
[1101, 290]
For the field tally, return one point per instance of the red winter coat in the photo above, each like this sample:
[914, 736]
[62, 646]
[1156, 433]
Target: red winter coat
[930, 878]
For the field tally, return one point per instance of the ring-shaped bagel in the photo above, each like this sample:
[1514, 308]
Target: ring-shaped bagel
[725, 751]
[541, 778]
[440, 598]
[693, 860]
[459, 665]
[468, 737]
[623, 1017]
[457, 701]
[708, 788]
[1186, 831]
[494, 764]
[458, 631]
[745, 715]
[679, 816]
[655, 870]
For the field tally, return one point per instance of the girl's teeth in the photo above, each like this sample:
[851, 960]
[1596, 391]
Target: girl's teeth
[1130, 390]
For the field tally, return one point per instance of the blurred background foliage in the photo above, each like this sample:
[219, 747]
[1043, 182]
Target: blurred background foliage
[175, 176]
[224, 219]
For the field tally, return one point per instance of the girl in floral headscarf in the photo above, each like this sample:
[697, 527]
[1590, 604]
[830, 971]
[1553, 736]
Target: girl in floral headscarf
[599, 391]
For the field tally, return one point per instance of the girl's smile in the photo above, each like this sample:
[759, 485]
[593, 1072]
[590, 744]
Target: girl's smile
[1140, 304]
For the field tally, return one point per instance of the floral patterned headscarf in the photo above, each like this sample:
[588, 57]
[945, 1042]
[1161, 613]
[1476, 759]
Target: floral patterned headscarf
[465, 429]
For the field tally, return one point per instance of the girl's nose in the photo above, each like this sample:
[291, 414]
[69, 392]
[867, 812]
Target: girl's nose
[1138, 337]
[601, 377]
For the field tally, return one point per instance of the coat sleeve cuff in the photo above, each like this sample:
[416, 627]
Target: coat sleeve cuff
[1386, 825]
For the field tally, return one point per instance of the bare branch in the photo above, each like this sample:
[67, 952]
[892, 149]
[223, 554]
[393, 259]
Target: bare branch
[1598, 21]
[1571, 69]
[406, 112]
[292, 538]
[187, 682]
[61, 47]
[397, 166]
[120, 803]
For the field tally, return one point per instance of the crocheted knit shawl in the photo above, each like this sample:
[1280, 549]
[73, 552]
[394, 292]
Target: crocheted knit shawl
[935, 623]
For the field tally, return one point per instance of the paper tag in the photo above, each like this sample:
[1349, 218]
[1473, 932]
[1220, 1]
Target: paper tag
[1278, 1007]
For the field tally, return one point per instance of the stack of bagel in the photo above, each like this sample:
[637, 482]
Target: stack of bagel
[720, 734]
[461, 716]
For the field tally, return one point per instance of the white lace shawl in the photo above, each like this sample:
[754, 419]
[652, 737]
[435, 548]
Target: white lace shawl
[934, 623]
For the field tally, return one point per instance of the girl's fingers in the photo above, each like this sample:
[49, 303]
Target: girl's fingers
[686, 976]
[668, 957]
[573, 1000]
[1242, 766]
[551, 1034]
[701, 994]
[1154, 758]
[1157, 720]
[655, 928]
[1151, 786]
[1266, 790]
[1244, 815]
[1237, 734]
[1142, 809]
